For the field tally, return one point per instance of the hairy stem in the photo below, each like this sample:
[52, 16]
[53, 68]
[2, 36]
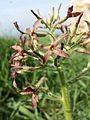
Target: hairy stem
[65, 96]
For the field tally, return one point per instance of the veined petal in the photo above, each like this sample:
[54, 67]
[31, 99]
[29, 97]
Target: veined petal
[60, 52]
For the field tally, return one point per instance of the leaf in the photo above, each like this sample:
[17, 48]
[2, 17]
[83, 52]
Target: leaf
[28, 90]
[35, 99]
[60, 52]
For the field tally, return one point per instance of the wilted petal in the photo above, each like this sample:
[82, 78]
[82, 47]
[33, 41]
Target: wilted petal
[63, 28]
[75, 14]
[88, 24]
[46, 57]
[14, 74]
[16, 47]
[28, 31]
[14, 83]
[60, 52]
[85, 42]
[16, 65]
[28, 90]
[72, 14]
[40, 82]
[82, 50]
[35, 99]
[17, 27]
[59, 40]
[36, 25]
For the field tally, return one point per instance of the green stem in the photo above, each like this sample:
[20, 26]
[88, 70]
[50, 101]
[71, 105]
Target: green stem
[65, 96]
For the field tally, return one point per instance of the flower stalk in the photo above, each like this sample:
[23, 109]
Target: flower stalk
[65, 95]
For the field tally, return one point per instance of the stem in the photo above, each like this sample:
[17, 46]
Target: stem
[65, 96]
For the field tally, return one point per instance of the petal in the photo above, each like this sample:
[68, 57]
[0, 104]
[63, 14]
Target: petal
[82, 50]
[74, 14]
[14, 83]
[40, 82]
[28, 90]
[46, 56]
[17, 27]
[59, 40]
[28, 31]
[36, 24]
[60, 52]
[16, 47]
[88, 24]
[35, 99]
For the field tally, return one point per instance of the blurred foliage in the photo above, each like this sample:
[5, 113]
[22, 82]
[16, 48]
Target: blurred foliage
[16, 107]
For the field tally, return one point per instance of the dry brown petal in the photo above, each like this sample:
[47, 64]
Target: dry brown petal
[59, 40]
[60, 52]
[72, 14]
[28, 31]
[35, 99]
[88, 24]
[14, 83]
[46, 56]
[36, 25]
[82, 50]
[28, 90]
[17, 27]
[17, 48]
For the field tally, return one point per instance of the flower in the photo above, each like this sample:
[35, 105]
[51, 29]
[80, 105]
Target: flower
[35, 98]
[54, 49]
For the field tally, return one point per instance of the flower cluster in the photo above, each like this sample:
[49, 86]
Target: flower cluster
[30, 45]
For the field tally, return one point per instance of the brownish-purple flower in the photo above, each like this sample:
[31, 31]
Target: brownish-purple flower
[54, 49]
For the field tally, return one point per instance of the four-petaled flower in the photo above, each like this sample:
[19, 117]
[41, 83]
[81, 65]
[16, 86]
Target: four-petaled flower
[53, 48]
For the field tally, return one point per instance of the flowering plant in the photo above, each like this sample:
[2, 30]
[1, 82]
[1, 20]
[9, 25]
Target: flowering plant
[48, 53]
